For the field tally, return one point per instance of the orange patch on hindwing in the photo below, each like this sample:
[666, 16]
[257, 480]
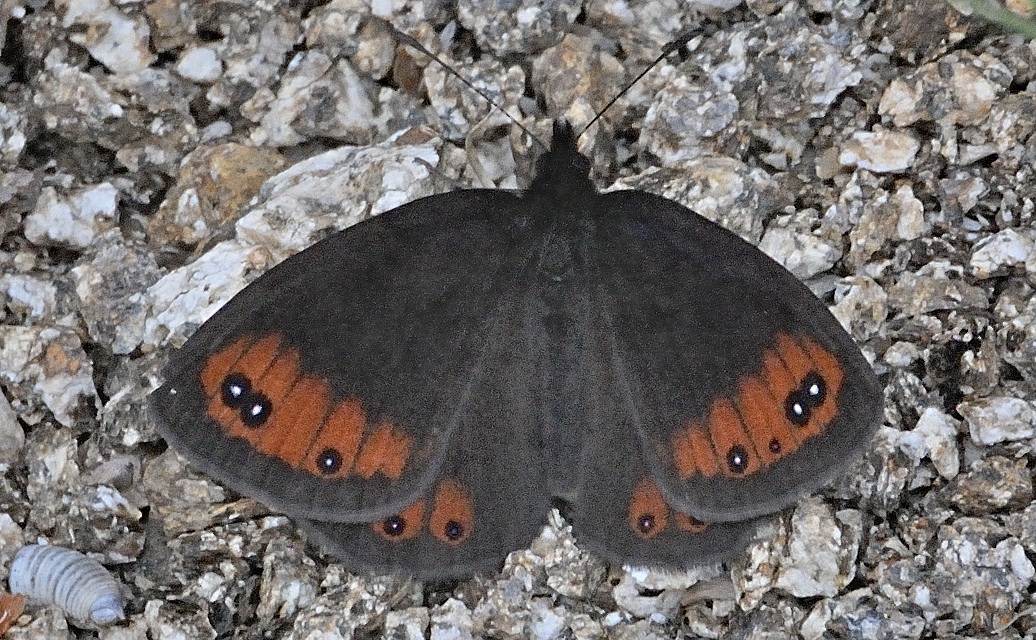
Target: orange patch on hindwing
[452, 519]
[405, 525]
[771, 413]
[648, 511]
[731, 439]
[649, 514]
[258, 391]
[769, 431]
[690, 524]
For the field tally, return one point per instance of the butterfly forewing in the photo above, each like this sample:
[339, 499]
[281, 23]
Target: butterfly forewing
[745, 391]
[330, 387]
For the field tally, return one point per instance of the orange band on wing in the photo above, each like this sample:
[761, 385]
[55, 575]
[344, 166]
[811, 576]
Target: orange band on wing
[791, 398]
[832, 373]
[217, 366]
[649, 514]
[250, 358]
[799, 364]
[769, 431]
[340, 436]
[275, 384]
[258, 392]
[731, 440]
[290, 432]
[693, 453]
[385, 451]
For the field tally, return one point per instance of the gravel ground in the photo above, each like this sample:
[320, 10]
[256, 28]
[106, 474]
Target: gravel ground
[156, 156]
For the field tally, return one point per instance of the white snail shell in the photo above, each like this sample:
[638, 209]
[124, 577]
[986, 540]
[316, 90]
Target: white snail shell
[79, 585]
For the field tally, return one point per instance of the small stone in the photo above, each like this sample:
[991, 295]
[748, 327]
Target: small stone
[686, 118]
[861, 306]
[12, 436]
[902, 101]
[317, 96]
[290, 582]
[940, 438]
[990, 485]
[898, 214]
[788, 240]
[901, 354]
[213, 185]
[72, 219]
[578, 78]
[451, 620]
[34, 297]
[53, 472]
[629, 598]
[978, 576]
[47, 365]
[173, 620]
[546, 622]
[999, 419]
[114, 39]
[407, 624]
[822, 550]
[109, 282]
[935, 286]
[200, 64]
[511, 27]
[996, 253]
[881, 151]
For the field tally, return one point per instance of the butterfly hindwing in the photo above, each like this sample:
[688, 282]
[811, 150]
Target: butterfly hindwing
[489, 497]
[618, 510]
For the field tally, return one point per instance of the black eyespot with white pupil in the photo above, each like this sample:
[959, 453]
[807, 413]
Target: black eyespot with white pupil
[453, 530]
[801, 402]
[737, 459]
[236, 388]
[254, 407]
[256, 410]
[394, 526]
[329, 461]
[646, 523]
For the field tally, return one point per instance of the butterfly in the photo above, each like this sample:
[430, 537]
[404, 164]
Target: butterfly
[418, 390]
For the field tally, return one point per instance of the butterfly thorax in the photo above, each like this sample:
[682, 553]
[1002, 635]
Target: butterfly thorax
[562, 182]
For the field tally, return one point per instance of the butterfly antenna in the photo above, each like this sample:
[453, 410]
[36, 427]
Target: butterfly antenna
[674, 45]
[411, 42]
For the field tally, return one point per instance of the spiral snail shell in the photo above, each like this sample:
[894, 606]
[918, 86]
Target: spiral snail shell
[79, 585]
